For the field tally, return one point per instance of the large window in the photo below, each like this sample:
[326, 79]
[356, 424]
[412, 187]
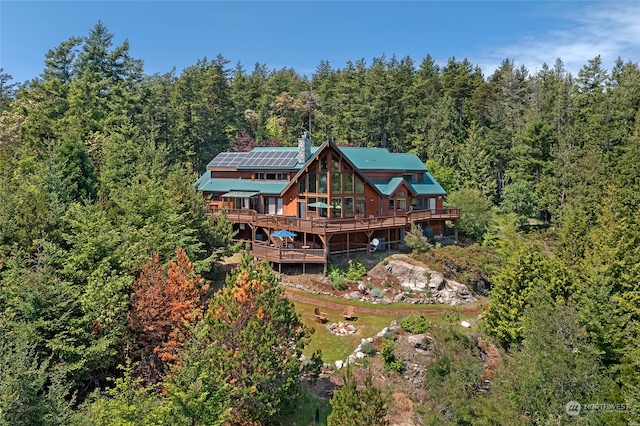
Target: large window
[322, 183]
[323, 163]
[336, 183]
[402, 204]
[348, 207]
[336, 211]
[359, 185]
[348, 183]
[312, 182]
[335, 165]
[302, 185]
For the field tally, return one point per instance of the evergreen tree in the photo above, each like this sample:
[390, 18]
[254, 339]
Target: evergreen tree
[256, 338]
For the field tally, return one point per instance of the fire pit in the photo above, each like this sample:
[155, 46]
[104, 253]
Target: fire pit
[341, 329]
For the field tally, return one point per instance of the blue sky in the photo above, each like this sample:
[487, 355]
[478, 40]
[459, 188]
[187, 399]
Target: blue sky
[299, 34]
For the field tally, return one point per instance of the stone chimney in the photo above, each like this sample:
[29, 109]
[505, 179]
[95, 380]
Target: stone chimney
[304, 148]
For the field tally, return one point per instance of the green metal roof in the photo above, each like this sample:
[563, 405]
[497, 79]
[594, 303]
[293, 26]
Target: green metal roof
[387, 188]
[382, 159]
[428, 187]
[243, 185]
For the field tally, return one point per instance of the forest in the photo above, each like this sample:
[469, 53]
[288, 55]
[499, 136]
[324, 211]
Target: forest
[107, 314]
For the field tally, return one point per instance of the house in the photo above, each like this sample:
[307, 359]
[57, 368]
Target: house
[334, 198]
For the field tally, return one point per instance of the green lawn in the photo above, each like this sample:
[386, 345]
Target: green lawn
[339, 347]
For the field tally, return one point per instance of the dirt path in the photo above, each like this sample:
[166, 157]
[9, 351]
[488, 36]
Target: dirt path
[299, 297]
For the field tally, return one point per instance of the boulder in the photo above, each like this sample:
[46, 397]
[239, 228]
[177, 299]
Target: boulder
[418, 341]
[408, 275]
[436, 282]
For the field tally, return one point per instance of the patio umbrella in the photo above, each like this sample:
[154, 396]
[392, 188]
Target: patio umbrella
[321, 205]
[283, 233]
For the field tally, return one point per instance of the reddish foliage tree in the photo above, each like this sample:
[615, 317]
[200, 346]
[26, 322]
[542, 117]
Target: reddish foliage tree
[244, 142]
[165, 302]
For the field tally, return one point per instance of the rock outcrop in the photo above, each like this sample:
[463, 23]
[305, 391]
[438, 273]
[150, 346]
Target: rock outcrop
[419, 279]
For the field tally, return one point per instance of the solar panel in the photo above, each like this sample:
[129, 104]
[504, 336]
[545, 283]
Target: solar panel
[277, 158]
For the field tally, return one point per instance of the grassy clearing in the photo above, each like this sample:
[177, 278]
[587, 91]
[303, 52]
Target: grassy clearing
[339, 347]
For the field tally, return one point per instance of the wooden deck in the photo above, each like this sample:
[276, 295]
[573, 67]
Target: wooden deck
[325, 226]
[288, 255]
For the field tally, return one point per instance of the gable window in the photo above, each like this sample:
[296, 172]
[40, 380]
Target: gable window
[322, 183]
[335, 165]
[323, 163]
[359, 185]
[312, 182]
[336, 183]
[348, 183]
[302, 185]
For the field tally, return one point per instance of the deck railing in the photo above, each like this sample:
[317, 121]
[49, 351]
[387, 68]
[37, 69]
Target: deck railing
[288, 255]
[329, 225]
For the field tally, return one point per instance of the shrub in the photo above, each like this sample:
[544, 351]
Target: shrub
[416, 240]
[355, 271]
[368, 348]
[337, 278]
[389, 360]
[415, 324]
[390, 335]
[376, 292]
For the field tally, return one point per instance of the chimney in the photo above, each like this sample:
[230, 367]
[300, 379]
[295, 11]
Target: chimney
[304, 148]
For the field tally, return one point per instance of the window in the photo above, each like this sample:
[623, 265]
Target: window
[335, 165]
[283, 176]
[360, 209]
[271, 176]
[359, 185]
[336, 211]
[348, 183]
[336, 183]
[312, 182]
[401, 194]
[348, 207]
[391, 205]
[409, 177]
[322, 183]
[258, 176]
[402, 204]
[311, 201]
[323, 163]
[302, 185]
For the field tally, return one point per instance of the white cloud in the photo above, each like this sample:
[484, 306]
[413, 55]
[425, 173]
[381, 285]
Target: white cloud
[608, 29]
